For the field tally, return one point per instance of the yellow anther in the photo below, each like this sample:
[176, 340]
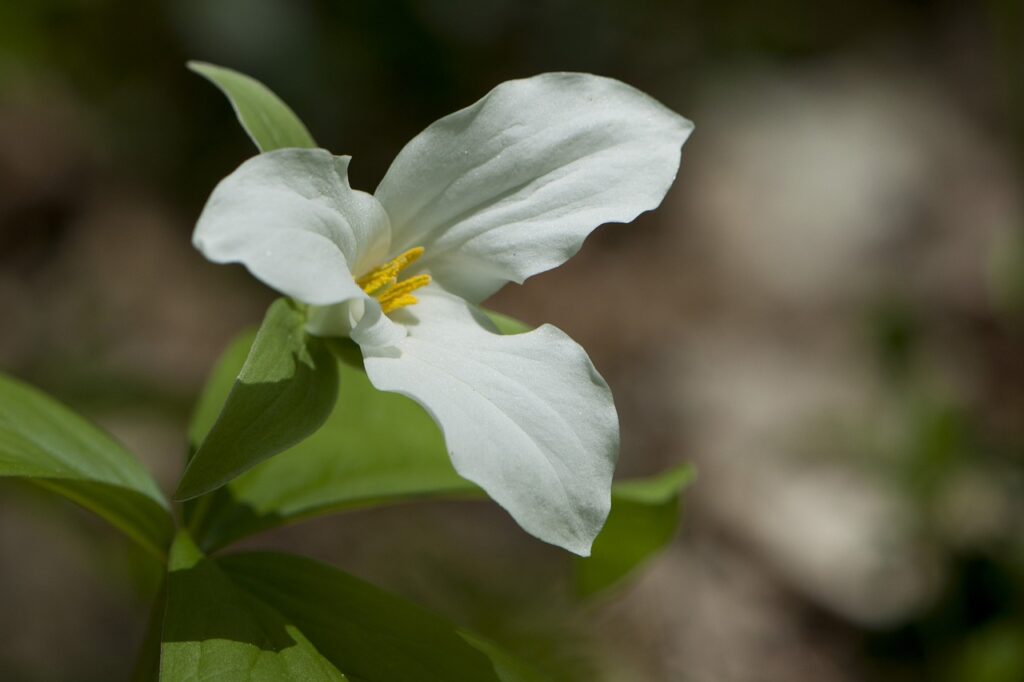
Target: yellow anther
[409, 257]
[396, 303]
[405, 287]
[382, 282]
[379, 276]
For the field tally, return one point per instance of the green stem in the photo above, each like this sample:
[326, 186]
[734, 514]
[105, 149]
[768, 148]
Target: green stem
[147, 663]
[198, 515]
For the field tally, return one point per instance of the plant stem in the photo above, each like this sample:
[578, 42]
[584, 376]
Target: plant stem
[147, 662]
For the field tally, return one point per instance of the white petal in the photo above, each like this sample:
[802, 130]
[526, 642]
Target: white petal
[526, 417]
[512, 185]
[361, 319]
[292, 219]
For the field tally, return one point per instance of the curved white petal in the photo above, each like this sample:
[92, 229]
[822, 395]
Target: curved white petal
[526, 417]
[361, 319]
[292, 219]
[511, 185]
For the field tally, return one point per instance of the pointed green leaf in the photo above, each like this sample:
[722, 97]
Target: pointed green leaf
[367, 633]
[266, 118]
[264, 616]
[46, 443]
[643, 520]
[215, 630]
[284, 392]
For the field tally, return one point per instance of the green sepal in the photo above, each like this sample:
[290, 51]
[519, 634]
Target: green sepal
[283, 393]
[506, 325]
[269, 122]
[643, 520]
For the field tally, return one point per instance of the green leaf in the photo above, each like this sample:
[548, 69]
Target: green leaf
[367, 633]
[266, 118]
[643, 520]
[46, 443]
[266, 616]
[284, 392]
[215, 630]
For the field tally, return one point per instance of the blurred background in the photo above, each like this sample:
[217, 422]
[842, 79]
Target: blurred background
[826, 317]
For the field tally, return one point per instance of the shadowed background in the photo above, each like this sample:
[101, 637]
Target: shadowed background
[826, 317]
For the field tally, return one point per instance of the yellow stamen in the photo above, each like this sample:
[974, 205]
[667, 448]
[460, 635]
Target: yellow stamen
[396, 303]
[390, 269]
[405, 287]
[382, 282]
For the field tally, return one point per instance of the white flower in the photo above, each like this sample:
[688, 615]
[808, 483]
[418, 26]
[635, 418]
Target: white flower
[494, 193]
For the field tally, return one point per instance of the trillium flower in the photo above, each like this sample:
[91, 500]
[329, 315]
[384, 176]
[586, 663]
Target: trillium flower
[504, 189]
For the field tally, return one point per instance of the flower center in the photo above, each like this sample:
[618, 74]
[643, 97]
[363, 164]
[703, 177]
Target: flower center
[382, 282]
